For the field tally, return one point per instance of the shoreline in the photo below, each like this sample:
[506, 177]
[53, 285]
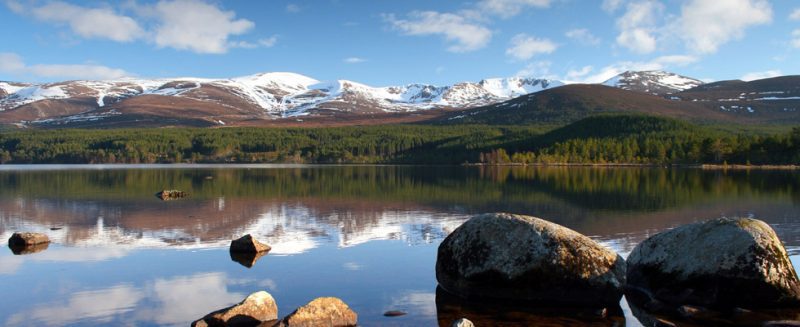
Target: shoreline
[635, 165]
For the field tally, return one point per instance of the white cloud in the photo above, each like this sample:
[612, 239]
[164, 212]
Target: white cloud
[705, 25]
[676, 60]
[580, 74]
[99, 305]
[638, 26]
[539, 69]
[583, 36]
[509, 8]
[197, 26]
[524, 47]
[101, 23]
[796, 38]
[760, 75]
[13, 64]
[292, 8]
[354, 60]
[795, 15]
[15, 6]
[463, 34]
[611, 5]
[262, 43]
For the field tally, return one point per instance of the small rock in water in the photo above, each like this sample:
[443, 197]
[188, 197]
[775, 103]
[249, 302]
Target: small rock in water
[522, 258]
[323, 311]
[171, 195]
[27, 239]
[463, 322]
[28, 249]
[394, 313]
[663, 323]
[720, 263]
[690, 311]
[255, 309]
[56, 228]
[248, 244]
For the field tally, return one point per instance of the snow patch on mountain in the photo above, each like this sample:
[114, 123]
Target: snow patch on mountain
[654, 82]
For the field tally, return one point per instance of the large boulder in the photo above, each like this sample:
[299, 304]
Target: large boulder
[254, 310]
[248, 244]
[717, 263]
[513, 257]
[323, 312]
[27, 239]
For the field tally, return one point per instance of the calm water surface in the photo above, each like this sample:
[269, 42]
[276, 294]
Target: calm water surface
[365, 234]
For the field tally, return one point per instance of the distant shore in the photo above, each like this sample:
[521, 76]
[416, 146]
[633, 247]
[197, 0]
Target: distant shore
[611, 165]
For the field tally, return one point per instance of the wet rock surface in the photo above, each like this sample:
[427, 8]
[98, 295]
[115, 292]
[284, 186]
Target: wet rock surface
[505, 256]
[720, 263]
[254, 310]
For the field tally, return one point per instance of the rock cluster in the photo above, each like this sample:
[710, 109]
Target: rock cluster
[260, 309]
[722, 264]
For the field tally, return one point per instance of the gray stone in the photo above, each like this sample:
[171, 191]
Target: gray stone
[323, 312]
[248, 244]
[463, 322]
[717, 263]
[516, 257]
[255, 309]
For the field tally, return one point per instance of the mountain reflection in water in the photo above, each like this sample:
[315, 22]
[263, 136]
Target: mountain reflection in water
[366, 234]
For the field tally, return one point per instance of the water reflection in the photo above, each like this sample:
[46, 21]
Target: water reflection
[372, 230]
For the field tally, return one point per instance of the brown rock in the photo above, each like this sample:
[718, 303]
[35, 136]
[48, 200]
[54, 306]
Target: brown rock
[171, 195]
[255, 309]
[248, 244]
[27, 239]
[29, 249]
[247, 259]
[323, 311]
[523, 258]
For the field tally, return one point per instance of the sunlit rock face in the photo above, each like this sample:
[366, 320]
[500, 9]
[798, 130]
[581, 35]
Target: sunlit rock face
[719, 263]
[525, 258]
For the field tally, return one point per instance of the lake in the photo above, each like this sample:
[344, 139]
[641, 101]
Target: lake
[365, 234]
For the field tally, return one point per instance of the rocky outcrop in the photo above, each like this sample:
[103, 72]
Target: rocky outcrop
[323, 312]
[27, 239]
[515, 257]
[717, 263]
[253, 311]
[248, 244]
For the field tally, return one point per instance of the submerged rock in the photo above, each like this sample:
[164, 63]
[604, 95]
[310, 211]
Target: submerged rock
[248, 244]
[254, 310]
[323, 311]
[516, 257]
[27, 239]
[717, 263]
[171, 194]
[28, 249]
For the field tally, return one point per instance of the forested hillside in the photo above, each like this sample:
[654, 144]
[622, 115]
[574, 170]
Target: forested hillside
[601, 139]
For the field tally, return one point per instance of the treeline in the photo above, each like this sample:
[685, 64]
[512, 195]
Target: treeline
[650, 140]
[601, 139]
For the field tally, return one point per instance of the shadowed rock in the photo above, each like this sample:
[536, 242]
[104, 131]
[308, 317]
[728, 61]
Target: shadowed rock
[515, 257]
[253, 311]
[452, 308]
[247, 259]
[323, 312]
[248, 244]
[720, 263]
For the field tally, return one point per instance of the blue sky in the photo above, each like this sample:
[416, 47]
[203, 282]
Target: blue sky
[397, 42]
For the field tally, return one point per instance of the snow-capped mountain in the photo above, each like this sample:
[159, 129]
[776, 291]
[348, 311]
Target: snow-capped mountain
[654, 82]
[276, 94]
